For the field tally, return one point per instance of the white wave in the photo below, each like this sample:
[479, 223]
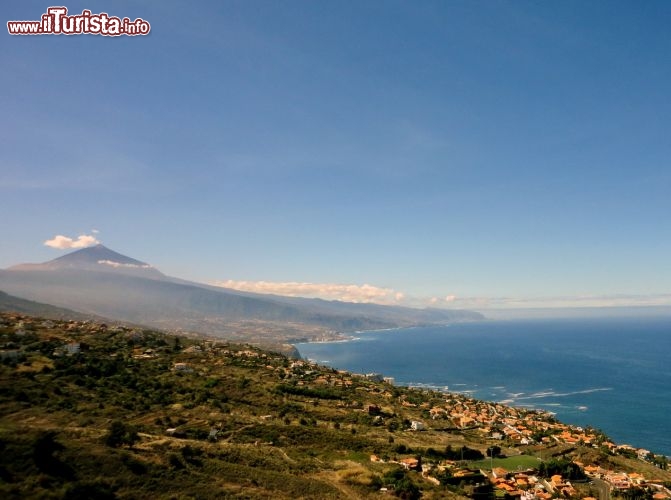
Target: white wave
[423, 385]
[539, 395]
[588, 391]
[552, 394]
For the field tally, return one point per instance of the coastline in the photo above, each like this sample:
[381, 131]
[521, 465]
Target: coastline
[343, 337]
[591, 398]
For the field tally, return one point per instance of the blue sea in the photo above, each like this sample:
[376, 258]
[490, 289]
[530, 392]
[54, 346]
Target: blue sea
[612, 374]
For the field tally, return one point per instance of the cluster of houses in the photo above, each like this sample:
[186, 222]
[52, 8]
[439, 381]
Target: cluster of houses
[622, 481]
[518, 426]
[21, 326]
[528, 486]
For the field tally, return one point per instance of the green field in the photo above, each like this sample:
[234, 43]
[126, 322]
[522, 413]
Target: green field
[509, 463]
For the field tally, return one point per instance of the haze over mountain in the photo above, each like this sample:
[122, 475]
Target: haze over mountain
[9, 303]
[100, 281]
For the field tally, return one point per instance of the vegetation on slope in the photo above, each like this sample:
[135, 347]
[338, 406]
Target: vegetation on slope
[90, 411]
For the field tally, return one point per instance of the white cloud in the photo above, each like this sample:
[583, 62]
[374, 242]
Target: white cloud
[337, 291]
[388, 296]
[63, 242]
[328, 291]
[119, 264]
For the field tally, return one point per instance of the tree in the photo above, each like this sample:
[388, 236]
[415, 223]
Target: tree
[45, 448]
[403, 485]
[660, 461]
[493, 451]
[563, 466]
[121, 434]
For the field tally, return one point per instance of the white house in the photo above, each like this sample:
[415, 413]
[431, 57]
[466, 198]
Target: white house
[72, 348]
[416, 425]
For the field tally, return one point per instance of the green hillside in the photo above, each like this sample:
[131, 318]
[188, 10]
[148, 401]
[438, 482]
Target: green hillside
[91, 411]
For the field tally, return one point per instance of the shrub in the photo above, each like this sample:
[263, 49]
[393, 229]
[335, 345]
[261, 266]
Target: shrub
[121, 434]
[175, 462]
[134, 465]
[86, 490]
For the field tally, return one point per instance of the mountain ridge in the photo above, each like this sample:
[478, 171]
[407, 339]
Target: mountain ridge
[94, 258]
[131, 290]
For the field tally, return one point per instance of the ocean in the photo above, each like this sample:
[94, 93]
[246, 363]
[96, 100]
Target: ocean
[611, 374]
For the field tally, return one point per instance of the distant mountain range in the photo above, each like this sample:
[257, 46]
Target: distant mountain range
[99, 281]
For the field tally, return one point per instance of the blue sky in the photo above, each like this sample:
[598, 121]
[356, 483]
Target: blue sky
[497, 153]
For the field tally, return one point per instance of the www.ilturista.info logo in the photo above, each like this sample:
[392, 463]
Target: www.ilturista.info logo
[57, 22]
